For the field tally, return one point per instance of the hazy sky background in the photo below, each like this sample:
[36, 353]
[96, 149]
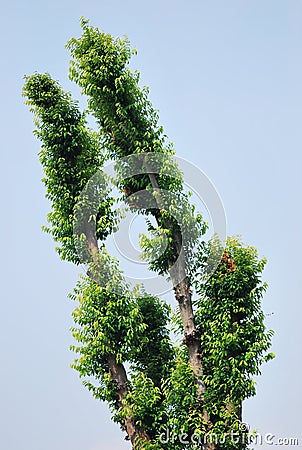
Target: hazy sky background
[226, 77]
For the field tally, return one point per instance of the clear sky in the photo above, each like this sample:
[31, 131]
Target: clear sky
[226, 77]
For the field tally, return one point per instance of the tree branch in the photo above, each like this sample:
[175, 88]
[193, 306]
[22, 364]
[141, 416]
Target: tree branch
[117, 370]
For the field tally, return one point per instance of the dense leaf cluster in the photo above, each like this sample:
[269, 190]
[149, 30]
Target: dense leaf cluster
[125, 115]
[128, 125]
[233, 336]
[132, 326]
[70, 156]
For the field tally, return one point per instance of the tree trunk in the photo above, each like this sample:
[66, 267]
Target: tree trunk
[119, 377]
[183, 295]
[117, 370]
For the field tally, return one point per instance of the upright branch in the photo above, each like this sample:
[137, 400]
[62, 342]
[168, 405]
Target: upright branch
[129, 125]
[70, 156]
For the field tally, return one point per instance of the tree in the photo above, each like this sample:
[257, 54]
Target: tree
[165, 393]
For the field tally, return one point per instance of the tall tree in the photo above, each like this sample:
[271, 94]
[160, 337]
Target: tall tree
[164, 395]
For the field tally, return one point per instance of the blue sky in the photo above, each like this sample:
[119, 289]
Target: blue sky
[226, 78]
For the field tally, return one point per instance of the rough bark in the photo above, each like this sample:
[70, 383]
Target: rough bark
[183, 295]
[118, 375]
[117, 370]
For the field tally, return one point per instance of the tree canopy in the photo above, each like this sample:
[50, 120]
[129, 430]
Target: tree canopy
[166, 390]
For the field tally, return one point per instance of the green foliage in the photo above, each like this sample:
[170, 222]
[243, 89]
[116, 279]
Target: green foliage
[127, 120]
[129, 125]
[156, 355]
[70, 156]
[130, 325]
[182, 404]
[145, 400]
[133, 327]
[173, 410]
[178, 227]
[107, 323]
[233, 335]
